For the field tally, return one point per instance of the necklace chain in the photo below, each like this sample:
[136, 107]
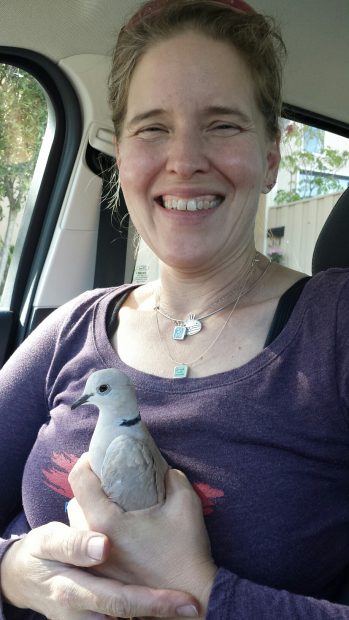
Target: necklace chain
[204, 316]
[192, 324]
[192, 315]
[182, 368]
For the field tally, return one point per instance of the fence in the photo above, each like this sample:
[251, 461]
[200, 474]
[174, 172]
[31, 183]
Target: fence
[302, 221]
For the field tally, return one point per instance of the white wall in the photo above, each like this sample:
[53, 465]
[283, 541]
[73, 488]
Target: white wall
[303, 221]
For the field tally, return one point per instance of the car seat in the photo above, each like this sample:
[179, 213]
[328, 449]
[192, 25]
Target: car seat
[332, 246]
[332, 250]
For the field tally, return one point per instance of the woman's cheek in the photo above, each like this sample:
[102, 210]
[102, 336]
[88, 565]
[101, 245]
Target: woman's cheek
[139, 160]
[240, 169]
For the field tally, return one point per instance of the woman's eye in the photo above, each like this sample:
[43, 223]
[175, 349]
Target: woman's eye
[151, 132]
[225, 128]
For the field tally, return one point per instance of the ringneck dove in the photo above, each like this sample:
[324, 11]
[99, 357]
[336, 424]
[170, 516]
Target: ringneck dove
[122, 452]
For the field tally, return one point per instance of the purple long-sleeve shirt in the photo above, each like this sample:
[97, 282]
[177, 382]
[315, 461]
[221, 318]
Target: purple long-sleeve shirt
[265, 445]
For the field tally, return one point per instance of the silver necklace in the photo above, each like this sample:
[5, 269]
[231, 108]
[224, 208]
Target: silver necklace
[181, 369]
[193, 324]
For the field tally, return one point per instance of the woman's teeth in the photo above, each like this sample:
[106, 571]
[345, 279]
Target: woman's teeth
[191, 204]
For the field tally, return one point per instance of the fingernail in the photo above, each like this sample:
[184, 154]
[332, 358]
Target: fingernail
[187, 611]
[95, 547]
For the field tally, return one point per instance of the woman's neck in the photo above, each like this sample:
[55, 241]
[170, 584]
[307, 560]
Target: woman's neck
[179, 293]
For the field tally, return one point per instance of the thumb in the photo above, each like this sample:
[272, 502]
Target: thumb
[177, 481]
[56, 541]
[178, 487]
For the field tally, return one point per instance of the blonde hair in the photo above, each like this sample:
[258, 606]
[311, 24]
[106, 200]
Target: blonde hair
[254, 36]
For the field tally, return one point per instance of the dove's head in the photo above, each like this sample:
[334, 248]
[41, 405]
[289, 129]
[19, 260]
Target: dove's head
[106, 388]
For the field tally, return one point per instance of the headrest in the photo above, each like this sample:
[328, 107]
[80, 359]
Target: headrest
[332, 246]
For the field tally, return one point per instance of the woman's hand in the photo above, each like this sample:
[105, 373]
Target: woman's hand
[165, 546]
[43, 571]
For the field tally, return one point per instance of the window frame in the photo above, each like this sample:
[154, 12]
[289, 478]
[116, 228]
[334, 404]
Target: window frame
[25, 269]
[301, 115]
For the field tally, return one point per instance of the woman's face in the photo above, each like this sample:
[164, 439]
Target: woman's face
[193, 153]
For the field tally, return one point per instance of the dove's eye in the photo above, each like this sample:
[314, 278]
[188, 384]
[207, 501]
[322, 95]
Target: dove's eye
[103, 389]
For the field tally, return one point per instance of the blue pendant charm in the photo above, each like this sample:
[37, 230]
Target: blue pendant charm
[180, 371]
[179, 332]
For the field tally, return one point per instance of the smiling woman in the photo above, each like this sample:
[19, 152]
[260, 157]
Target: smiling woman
[252, 414]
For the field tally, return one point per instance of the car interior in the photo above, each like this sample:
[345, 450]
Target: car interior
[65, 237]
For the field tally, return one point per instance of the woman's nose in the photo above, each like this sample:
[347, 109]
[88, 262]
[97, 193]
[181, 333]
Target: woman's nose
[186, 155]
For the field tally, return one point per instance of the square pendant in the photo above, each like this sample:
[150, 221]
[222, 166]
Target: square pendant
[180, 371]
[179, 332]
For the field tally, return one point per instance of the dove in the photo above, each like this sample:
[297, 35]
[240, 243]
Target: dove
[122, 452]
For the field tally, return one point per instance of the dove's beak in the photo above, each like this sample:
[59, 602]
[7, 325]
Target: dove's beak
[83, 399]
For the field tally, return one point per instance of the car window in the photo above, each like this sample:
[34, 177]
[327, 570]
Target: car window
[24, 116]
[314, 173]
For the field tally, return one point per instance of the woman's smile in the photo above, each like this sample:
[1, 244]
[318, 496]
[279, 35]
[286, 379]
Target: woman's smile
[197, 203]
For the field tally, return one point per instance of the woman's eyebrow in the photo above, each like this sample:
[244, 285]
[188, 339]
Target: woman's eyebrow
[227, 111]
[143, 116]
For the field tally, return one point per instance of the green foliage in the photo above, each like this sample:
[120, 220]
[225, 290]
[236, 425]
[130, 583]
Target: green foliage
[283, 196]
[326, 161]
[23, 114]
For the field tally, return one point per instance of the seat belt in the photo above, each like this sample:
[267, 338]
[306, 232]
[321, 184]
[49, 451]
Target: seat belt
[284, 309]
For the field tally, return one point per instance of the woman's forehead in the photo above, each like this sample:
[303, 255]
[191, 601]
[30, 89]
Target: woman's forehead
[192, 61]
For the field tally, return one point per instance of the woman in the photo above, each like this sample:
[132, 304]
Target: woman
[260, 431]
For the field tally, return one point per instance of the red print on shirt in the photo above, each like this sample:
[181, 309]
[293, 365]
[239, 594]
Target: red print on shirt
[208, 496]
[56, 478]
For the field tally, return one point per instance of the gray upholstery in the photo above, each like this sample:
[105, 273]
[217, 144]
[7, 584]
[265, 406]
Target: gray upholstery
[332, 246]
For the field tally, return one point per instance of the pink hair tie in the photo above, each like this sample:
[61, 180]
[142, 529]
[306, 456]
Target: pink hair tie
[151, 7]
[240, 5]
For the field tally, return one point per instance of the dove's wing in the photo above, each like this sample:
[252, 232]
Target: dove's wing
[161, 466]
[129, 474]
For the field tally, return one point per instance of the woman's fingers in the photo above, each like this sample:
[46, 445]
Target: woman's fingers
[56, 541]
[76, 515]
[161, 603]
[90, 496]
[176, 480]
[180, 494]
[77, 591]
[41, 572]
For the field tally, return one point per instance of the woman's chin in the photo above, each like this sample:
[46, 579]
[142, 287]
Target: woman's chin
[188, 262]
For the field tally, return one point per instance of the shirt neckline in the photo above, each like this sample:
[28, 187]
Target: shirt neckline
[146, 381]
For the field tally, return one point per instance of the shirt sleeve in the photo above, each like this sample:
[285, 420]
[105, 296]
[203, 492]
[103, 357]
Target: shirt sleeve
[232, 597]
[23, 411]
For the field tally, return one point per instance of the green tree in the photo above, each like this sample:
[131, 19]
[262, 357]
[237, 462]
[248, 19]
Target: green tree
[23, 120]
[324, 163]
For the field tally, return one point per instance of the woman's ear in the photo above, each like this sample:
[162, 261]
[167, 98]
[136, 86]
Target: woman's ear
[273, 162]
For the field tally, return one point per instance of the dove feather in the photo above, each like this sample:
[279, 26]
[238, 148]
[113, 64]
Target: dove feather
[129, 474]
